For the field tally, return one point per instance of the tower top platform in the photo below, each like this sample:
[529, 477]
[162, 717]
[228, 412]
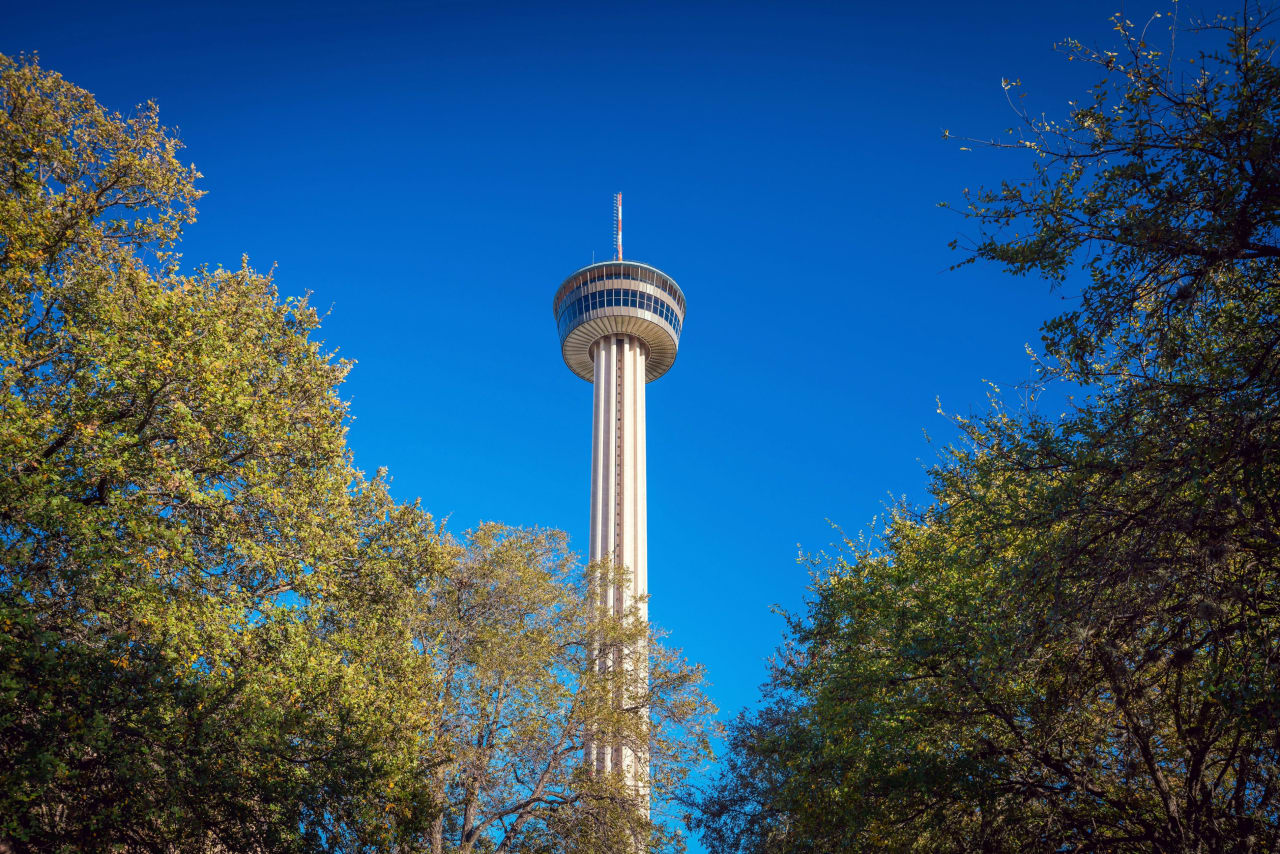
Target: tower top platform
[619, 297]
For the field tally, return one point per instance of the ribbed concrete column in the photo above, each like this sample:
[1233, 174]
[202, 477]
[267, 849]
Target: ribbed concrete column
[618, 520]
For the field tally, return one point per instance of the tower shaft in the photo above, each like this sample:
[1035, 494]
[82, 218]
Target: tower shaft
[619, 526]
[619, 323]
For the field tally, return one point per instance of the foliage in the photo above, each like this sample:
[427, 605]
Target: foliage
[216, 633]
[513, 636]
[1074, 647]
[198, 631]
[1157, 182]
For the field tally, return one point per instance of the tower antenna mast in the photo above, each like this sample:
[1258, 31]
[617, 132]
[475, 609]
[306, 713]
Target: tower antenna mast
[617, 222]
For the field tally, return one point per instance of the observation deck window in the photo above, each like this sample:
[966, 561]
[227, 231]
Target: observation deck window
[574, 309]
[628, 273]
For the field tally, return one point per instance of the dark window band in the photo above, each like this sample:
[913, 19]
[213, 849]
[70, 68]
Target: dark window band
[616, 298]
[635, 276]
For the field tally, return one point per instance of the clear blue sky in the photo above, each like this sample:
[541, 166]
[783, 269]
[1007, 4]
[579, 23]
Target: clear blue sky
[433, 171]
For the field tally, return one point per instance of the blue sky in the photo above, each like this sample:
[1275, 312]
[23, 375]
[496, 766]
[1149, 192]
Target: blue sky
[432, 172]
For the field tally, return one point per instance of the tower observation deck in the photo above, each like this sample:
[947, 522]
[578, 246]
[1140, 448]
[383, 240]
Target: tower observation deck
[619, 324]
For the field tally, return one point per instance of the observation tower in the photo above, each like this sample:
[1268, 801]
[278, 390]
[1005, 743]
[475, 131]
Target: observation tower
[619, 324]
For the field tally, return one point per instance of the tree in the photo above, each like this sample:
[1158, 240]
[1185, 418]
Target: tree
[216, 634]
[1075, 646]
[512, 634]
[199, 635]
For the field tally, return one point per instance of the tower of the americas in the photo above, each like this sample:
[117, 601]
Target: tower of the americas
[619, 324]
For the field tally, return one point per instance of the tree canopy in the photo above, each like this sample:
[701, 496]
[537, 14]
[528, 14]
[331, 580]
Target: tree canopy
[515, 640]
[216, 633]
[1074, 647]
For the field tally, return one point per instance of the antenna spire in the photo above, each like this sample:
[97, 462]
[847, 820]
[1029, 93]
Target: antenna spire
[617, 220]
